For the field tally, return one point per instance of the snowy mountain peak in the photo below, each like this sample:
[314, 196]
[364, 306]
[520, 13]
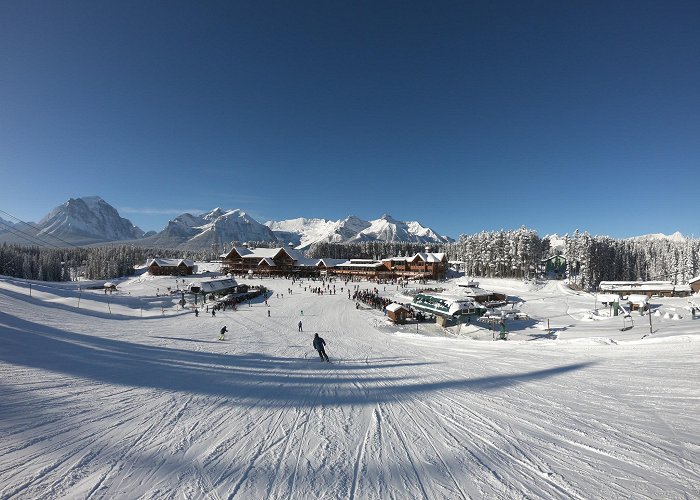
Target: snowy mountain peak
[388, 218]
[219, 227]
[677, 237]
[214, 214]
[92, 201]
[305, 232]
[87, 220]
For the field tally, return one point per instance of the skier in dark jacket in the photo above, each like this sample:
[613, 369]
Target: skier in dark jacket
[223, 333]
[319, 344]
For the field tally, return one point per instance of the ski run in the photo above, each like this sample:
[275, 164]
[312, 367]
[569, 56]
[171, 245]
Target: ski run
[127, 395]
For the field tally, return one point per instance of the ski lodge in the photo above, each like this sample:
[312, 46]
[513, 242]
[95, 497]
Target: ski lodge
[489, 299]
[266, 261]
[648, 288]
[694, 284]
[170, 267]
[285, 261]
[424, 264]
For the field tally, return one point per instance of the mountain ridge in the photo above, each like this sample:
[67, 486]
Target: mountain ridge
[91, 220]
[78, 221]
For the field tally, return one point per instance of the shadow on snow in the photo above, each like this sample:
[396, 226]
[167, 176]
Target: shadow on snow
[245, 377]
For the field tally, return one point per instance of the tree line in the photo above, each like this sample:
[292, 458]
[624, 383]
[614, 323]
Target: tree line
[592, 259]
[516, 253]
[70, 264]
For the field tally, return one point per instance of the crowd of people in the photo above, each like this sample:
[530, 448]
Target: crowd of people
[371, 298]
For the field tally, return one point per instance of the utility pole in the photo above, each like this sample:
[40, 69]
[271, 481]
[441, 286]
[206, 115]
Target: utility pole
[650, 327]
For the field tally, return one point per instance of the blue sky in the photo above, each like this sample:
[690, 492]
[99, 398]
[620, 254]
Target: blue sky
[466, 116]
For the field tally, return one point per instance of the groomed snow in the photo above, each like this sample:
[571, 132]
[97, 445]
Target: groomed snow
[127, 396]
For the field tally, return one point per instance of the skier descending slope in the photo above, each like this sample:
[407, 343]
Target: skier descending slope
[223, 333]
[319, 344]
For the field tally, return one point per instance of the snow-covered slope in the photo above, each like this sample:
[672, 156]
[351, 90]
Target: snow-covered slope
[127, 396]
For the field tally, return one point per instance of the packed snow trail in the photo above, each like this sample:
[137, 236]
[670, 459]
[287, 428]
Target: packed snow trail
[95, 406]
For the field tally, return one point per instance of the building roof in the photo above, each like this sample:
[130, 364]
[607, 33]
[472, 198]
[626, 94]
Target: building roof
[393, 307]
[428, 257]
[444, 304]
[306, 262]
[330, 262]
[261, 254]
[395, 259]
[360, 263]
[608, 297]
[638, 299]
[641, 286]
[554, 257]
[471, 289]
[690, 281]
[425, 256]
[268, 261]
[169, 262]
[239, 250]
[216, 285]
[475, 291]
[467, 283]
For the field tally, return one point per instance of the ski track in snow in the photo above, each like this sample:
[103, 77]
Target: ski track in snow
[100, 406]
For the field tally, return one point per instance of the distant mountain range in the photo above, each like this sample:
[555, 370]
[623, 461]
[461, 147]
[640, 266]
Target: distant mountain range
[91, 220]
[80, 221]
[677, 237]
[304, 232]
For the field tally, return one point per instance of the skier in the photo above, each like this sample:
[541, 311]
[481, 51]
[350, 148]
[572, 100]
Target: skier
[268, 313]
[222, 333]
[213, 312]
[503, 330]
[196, 312]
[319, 344]
[300, 329]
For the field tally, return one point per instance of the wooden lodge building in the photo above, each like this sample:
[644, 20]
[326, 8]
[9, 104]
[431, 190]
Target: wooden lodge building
[423, 264]
[397, 313]
[268, 262]
[694, 284]
[285, 261]
[170, 267]
[648, 288]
